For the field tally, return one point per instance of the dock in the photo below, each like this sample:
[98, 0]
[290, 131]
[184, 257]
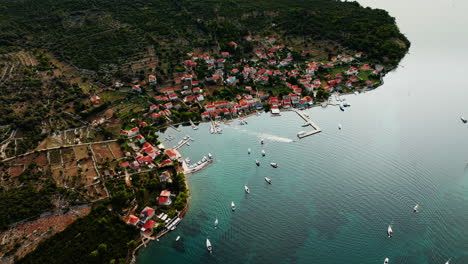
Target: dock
[182, 143]
[310, 122]
[188, 170]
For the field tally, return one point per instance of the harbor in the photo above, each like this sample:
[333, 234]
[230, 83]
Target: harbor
[309, 122]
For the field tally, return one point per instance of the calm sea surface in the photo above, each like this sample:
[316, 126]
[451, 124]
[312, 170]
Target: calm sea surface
[334, 193]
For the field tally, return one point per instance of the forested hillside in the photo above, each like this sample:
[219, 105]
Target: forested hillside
[92, 33]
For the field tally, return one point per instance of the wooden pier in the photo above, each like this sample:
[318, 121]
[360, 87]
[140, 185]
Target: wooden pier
[183, 142]
[310, 122]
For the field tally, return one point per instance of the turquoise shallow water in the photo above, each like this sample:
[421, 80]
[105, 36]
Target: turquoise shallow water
[334, 193]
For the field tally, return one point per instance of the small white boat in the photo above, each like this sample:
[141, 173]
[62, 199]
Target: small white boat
[216, 223]
[416, 208]
[186, 137]
[177, 239]
[263, 153]
[300, 133]
[386, 261]
[212, 130]
[339, 126]
[188, 144]
[233, 206]
[208, 245]
[210, 156]
[268, 180]
[274, 165]
[463, 119]
[448, 262]
[389, 231]
[247, 190]
[261, 141]
[248, 150]
[356, 92]
[257, 162]
[306, 125]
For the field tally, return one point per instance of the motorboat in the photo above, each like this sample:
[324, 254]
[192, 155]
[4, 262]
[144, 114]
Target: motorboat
[274, 165]
[248, 150]
[305, 125]
[339, 126]
[208, 245]
[463, 119]
[187, 160]
[216, 223]
[261, 141]
[268, 180]
[177, 239]
[386, 261]
[199, 162]
[341, 107]
[186, 137]
[188, 144]
[210, 156]
[257, 162]
[356, 92]
[416, 208]
[300, 133]
[263, 153]
[448, 262]
[247, 190]
[389, 231]
[346, 105]
[233, 206]
[324, 105]
[212, 129]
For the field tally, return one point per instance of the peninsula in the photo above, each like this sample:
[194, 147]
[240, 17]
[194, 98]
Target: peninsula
[86, 85]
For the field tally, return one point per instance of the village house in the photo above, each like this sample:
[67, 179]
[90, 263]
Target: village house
[173, 154]
[146, 214]
[152, 80]
[136, 88]
[165, 198]
[133, 132]
[133, 220]
[165, 177]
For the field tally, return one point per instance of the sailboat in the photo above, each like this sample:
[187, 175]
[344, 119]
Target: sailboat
[263, 153]
[463, 119]
[208, 245]
[233, 206]
[216, 223]
[248, 150]
[247, 190]
[416, 208]
[268, 180]
[386, 261]
[261, 141]
[448, 262]
[177, 239]
[389, 231]
[274, 165]
[339, 126]
[257, 162]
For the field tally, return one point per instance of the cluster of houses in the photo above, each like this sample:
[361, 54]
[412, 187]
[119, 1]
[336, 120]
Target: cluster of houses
[145, 221]
[145, 152]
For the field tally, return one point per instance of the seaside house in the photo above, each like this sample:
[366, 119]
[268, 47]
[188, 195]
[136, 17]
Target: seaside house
[133, 220]
[146, 214]
[146, 227]
[165, 198]
[165, 177]
[173, 154]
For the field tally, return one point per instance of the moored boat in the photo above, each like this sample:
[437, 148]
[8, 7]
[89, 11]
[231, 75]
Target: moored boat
[257, 162]
[386, 261]
[246, 188]
[177, 239]
[268, 180]
[389, 231]
[248, 150]
[463, 119]
[233, 206]
[210, 156]
[416, 208]
[339, 126]
[274, 164]
[263, 153]
[216, 223]
[208, 245]
[261, 141]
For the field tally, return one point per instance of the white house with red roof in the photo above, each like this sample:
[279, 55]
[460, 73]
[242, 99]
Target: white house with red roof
[168, 105]
[173, 154]
[133, 132]
[352, 71]
[173, 96]
[165, 197]
[152, 79]
[155, 116]
[200, 97]
[146, 214]
[133, 220]
[358, 55]
[136, 88]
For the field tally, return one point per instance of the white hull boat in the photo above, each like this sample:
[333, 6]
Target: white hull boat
[263, 153]
[274, 165]
[389, 231]
[386, 261]
[208, 245]
[233, 206]
[268, 180]
[247, 190]
[248, 150]
[416, 208]
[257, 162]
[177, 239]
[216, 223]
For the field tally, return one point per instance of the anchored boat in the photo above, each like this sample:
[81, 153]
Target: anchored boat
[247, 190]
[416, 208]
[248, 150]
[257, 162]
[389, 231]
[386, 261]
[177, 239]
[268, 180]
[463, 119]
[263, 153]
[233, 206]
[274, 165]
[216, 223]
[208, 245]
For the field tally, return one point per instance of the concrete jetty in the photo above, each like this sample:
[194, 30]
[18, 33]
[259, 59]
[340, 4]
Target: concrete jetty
[308, 121]
[183, 142]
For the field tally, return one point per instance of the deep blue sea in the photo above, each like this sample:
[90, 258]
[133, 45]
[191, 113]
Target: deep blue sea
[334, 193]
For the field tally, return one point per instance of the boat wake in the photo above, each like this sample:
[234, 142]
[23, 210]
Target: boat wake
[268, 137]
